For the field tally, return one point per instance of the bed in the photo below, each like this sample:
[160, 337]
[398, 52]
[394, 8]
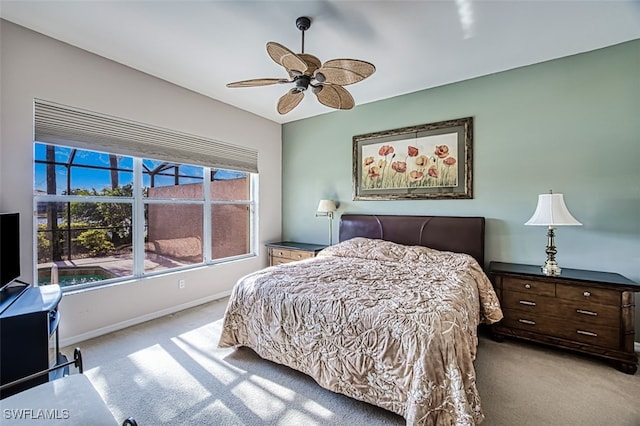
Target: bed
[388, 316]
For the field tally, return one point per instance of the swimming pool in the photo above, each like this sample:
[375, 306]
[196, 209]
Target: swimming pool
[74, 275]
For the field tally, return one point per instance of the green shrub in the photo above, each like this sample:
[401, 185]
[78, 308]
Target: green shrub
[96, 241]
[44, 245]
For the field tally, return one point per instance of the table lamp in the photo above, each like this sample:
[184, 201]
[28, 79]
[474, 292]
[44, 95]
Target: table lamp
[326, 208]
[551, 211]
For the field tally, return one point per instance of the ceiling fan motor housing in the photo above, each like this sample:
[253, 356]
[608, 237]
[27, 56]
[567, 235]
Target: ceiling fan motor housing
[302, 82]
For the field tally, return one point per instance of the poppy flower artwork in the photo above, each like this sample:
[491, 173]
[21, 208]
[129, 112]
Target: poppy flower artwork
[428, 161]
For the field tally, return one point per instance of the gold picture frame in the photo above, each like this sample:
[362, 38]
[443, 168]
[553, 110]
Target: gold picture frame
[429, 161]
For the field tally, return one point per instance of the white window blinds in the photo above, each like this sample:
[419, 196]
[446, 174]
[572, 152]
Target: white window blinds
[63, 125]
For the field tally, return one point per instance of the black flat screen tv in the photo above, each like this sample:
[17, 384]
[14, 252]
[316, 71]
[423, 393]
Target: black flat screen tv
[9, 248]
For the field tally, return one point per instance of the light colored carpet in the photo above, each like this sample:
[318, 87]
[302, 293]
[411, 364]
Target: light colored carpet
[170, 371]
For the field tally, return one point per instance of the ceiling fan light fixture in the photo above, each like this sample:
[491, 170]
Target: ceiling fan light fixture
[307, 70]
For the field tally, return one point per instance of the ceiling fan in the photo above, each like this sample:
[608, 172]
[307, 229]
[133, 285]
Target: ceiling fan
[326, 80]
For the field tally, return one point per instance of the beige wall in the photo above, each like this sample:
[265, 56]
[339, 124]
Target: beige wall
[35, 66]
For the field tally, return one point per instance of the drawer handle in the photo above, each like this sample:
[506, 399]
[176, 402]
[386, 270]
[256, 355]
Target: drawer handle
[527, 286]
[280, 253]
[586, 294]
[526, 302]
[587, 333]
[528, 322]
[582, 311]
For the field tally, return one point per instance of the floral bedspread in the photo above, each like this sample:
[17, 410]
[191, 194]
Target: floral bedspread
[391, 325]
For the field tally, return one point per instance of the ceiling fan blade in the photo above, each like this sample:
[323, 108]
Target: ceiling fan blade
[289, 101]
[285, 57]
[334, 96]
[258, 82]
[312, 62]
[344, 71]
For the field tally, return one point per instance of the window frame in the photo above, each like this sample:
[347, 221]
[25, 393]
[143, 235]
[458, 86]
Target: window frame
[138, 203]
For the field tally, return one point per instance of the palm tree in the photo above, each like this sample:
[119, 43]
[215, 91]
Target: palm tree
[52, 208]
[113, 163]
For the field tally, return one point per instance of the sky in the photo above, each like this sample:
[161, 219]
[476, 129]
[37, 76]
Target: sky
[92, 178]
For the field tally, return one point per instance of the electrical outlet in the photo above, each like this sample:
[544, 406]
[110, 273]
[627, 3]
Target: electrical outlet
[182, 283]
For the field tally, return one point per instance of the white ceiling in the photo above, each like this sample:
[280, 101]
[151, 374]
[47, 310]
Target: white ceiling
[202, 45]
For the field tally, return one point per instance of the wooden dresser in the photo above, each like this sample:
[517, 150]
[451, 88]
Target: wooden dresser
[290, 251]
[587, 311]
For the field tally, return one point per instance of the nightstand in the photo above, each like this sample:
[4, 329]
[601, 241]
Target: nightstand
[288, 251]
[586, 311]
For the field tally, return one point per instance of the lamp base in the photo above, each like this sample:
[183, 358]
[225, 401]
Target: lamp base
[551, 268]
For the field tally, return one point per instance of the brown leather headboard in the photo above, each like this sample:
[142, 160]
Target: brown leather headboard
[448, 233]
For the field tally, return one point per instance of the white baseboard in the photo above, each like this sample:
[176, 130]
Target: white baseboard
[636, 346]
[138, 320]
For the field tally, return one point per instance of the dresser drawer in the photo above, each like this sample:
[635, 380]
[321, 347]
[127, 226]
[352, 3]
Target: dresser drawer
[278, 256]
[588, 294]
[528, 286]
[584, 311]
[578, 331]
[279, 260]
[291, 254]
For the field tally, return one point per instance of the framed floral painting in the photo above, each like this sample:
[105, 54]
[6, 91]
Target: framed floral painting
[429, 161]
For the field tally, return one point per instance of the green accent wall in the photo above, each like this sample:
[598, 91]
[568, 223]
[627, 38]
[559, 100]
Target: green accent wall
[570, 124]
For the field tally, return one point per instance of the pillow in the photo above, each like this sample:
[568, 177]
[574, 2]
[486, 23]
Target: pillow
[375, 249]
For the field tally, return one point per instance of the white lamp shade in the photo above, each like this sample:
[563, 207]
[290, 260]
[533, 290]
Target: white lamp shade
[551, 211]
[326, 206]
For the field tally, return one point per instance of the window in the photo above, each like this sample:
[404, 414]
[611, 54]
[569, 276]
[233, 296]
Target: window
[103, 217]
